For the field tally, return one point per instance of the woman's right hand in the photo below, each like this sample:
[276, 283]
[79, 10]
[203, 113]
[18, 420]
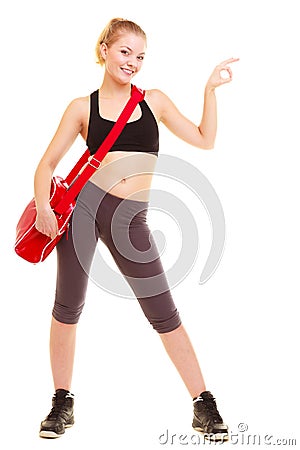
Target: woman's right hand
[46, 222]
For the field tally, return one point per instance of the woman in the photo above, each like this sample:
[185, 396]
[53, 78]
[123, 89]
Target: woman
[114, 202]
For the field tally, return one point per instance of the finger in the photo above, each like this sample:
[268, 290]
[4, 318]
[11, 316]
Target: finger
[56, 228]
[229, 61]
[229, 71]
[54, 232]
[226, 80]
[40, 229]
[225, 73]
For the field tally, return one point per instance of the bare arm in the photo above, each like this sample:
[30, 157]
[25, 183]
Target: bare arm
[70, 126]
[202, 136]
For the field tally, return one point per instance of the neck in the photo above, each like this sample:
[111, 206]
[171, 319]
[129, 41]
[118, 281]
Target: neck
[112, 89]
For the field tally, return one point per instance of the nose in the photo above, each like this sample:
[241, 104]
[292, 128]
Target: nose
[131, 63]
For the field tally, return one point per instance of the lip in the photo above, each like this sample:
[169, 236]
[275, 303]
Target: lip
[127, 71]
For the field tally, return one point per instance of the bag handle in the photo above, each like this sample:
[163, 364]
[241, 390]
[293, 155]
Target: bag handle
[137, 95]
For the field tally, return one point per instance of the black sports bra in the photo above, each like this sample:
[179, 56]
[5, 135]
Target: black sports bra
[140, 135]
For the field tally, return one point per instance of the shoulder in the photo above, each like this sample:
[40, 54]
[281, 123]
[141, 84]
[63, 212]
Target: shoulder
[158, 101]
[78, 108]
[155, 95]
[79, 103]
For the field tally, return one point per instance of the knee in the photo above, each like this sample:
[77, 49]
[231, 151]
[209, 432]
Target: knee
[161, 312]
[67, 314]
[166, 325]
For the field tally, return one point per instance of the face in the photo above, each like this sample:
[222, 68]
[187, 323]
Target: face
[124, 58]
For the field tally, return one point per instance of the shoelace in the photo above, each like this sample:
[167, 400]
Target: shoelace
[211, 407]
[56, 409]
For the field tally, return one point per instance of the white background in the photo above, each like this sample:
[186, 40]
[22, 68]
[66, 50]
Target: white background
[243, 321]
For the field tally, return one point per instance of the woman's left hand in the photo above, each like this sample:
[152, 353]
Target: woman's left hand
[216, 79]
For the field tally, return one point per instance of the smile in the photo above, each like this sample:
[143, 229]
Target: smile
[127, 71]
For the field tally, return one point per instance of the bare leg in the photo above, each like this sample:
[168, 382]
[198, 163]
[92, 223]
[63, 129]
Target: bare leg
[181, 352]
[62, 350]
[176, 343]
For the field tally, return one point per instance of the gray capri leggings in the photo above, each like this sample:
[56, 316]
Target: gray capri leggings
[122, 225]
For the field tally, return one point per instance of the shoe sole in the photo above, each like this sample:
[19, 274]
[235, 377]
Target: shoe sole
[213, 436]
[51, 434]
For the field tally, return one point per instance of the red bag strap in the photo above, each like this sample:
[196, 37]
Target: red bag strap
[137, 95]
[78, 166]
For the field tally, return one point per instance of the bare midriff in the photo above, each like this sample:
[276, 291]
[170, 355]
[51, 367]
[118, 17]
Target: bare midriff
[126, 174]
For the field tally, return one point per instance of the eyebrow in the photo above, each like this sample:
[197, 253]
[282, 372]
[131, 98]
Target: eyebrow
[130, 49]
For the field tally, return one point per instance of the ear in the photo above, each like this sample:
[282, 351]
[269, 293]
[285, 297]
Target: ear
[103, 50]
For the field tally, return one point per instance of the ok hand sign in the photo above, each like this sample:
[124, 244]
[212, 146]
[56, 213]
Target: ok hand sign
[216, 78]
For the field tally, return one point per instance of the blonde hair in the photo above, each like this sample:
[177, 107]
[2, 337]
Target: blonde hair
[111, 33]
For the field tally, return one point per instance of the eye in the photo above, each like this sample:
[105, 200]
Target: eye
[140, 58]
[125, 52]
